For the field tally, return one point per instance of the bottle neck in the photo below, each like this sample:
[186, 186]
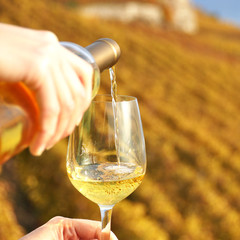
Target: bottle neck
[102, 54]
[105, 51]
[86, 55]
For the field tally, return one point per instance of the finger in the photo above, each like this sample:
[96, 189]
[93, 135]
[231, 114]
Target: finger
[67, 106]
[84, 71]
[91, 229]
[113, 236]
[87, 229]
[78, 94]
[83, 229]
[79, 74]
[49, 111]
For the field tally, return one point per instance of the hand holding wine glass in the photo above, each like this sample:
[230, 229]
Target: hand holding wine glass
[106, 159]
[66, 228]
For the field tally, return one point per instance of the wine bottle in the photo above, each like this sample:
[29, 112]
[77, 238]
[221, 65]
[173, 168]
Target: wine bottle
[19, 111]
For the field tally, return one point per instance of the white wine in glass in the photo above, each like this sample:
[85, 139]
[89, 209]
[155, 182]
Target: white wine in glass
[106, 164]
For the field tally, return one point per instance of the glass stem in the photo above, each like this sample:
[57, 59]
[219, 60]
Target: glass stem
[106, 215]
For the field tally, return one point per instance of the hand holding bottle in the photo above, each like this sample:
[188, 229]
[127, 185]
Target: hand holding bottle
[61, 81]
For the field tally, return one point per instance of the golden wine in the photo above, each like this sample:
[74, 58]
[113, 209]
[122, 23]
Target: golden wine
[19, 120]
[106, 183]
[115, 109]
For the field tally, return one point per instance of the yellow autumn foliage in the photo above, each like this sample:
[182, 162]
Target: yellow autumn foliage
[188, 91]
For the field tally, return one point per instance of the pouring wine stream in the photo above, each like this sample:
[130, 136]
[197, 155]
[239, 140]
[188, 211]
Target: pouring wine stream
[112, 73]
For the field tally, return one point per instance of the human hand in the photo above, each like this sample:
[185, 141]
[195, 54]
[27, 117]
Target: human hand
[61, 80]
[60, 228]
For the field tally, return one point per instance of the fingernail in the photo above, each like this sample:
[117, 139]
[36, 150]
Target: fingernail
[79, 120]
[49, 147]
[114, 237]
[39, 150]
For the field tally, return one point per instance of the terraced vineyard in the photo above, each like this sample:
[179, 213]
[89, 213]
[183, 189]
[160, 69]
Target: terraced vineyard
[188, 91]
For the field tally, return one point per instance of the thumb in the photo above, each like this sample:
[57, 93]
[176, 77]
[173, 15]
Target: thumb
[113, 236]
[105, 236]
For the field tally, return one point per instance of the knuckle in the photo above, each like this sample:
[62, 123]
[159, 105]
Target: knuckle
[40, 65]
[56, 219]
[51, 112]
[49, 120]
[68, 106]
[48, 37]
[47, 45]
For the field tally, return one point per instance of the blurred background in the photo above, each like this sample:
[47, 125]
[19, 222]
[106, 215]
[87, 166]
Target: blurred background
[181, 60]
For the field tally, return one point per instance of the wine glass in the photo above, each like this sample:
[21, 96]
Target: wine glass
[106, 158]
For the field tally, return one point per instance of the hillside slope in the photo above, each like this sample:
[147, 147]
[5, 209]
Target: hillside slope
[188, 92]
